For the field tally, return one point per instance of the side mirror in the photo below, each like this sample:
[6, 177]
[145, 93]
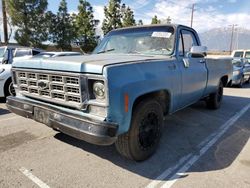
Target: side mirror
[198, 51]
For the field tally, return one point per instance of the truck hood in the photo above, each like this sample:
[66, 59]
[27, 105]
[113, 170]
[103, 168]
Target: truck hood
[83, 64]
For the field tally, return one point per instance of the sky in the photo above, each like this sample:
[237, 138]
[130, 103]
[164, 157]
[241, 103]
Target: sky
[208, 14]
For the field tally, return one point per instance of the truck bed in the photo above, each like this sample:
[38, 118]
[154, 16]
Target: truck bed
[220, 66]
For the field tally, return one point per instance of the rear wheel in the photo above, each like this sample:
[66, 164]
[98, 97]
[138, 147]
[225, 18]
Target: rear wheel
[214, 100]
[143, 137]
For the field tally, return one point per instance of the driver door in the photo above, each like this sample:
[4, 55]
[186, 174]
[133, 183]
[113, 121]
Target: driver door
[193, 69]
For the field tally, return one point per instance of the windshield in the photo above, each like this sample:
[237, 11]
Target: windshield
[238, 54]
[22, 52]
[247, 55]
[148, 40]
[2, 50]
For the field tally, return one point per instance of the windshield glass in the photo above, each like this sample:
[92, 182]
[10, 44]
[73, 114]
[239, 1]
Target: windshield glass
[2, 50]
[238, 54]
[22, 52]
[248, 55]
[148, 40]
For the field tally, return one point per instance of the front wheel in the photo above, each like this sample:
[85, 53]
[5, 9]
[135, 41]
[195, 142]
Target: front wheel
[214, 100]
[9, 88]
[143, 137]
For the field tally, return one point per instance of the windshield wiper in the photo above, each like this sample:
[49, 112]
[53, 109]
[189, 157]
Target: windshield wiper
[104, 51]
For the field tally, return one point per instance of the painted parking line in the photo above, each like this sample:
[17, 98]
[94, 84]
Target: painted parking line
[187, 161]
[33, 178]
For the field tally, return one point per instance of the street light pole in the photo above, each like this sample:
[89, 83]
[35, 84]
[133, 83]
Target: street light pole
[192, 15]
[232, 36]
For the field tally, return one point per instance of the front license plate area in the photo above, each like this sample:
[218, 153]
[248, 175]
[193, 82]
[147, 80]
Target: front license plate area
[41, 115]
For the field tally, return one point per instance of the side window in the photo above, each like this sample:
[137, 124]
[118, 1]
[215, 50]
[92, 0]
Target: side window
[247, 55]
[238, 54]
[180, 47]
[189, 40]
[34, 52]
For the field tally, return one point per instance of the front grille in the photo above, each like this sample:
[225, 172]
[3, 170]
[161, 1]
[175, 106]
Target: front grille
[61, 89]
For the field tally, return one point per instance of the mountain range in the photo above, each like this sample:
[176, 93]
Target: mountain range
[219, 39]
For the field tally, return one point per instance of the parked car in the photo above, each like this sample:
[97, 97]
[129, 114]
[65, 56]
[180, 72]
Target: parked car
[121, 92]
[7, 55]
[241, 65]
[56, 54]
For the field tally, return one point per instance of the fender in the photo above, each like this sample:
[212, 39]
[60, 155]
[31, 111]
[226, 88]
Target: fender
[135, 80]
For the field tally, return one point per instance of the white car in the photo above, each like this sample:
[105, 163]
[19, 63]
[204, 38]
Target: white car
[6, 85]
[7, 55]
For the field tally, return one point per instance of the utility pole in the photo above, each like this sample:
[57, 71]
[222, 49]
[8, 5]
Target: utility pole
[192, 15]
[232, 36]
[5, 27]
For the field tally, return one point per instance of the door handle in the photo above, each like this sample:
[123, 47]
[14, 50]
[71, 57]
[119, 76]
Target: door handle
[202, 61]
[186, 62]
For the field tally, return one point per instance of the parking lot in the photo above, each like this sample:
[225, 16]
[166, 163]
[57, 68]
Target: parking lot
[199, 148]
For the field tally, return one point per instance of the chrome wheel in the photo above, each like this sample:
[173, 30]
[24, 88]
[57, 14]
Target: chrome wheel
[11, 89]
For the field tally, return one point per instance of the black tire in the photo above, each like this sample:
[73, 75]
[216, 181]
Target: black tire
[142, 139]
[229, 84]
[8, 88]
[214, 100]
[248, 81]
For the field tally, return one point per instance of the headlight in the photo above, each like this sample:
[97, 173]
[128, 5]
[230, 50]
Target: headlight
[99, 90]
[236, 72]
[2, 70]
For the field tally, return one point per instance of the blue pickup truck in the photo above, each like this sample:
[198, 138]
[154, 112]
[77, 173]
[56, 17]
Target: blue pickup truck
[121, 93]
[241, 67]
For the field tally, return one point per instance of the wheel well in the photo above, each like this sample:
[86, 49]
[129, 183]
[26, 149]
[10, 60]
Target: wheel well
[5, 85]
[162, 96]
[224, 80]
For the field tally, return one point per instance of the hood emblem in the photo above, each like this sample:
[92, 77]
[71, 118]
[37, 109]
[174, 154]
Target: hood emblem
[42, 85]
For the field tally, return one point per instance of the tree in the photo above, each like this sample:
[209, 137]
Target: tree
[85, 26]
[30, 19]
[128, 18]
[61, 29]
[113, 16]
[140, 22]
[155, 20]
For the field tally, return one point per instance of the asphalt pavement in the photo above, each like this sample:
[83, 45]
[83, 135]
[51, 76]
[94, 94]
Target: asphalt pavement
[199, 148]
